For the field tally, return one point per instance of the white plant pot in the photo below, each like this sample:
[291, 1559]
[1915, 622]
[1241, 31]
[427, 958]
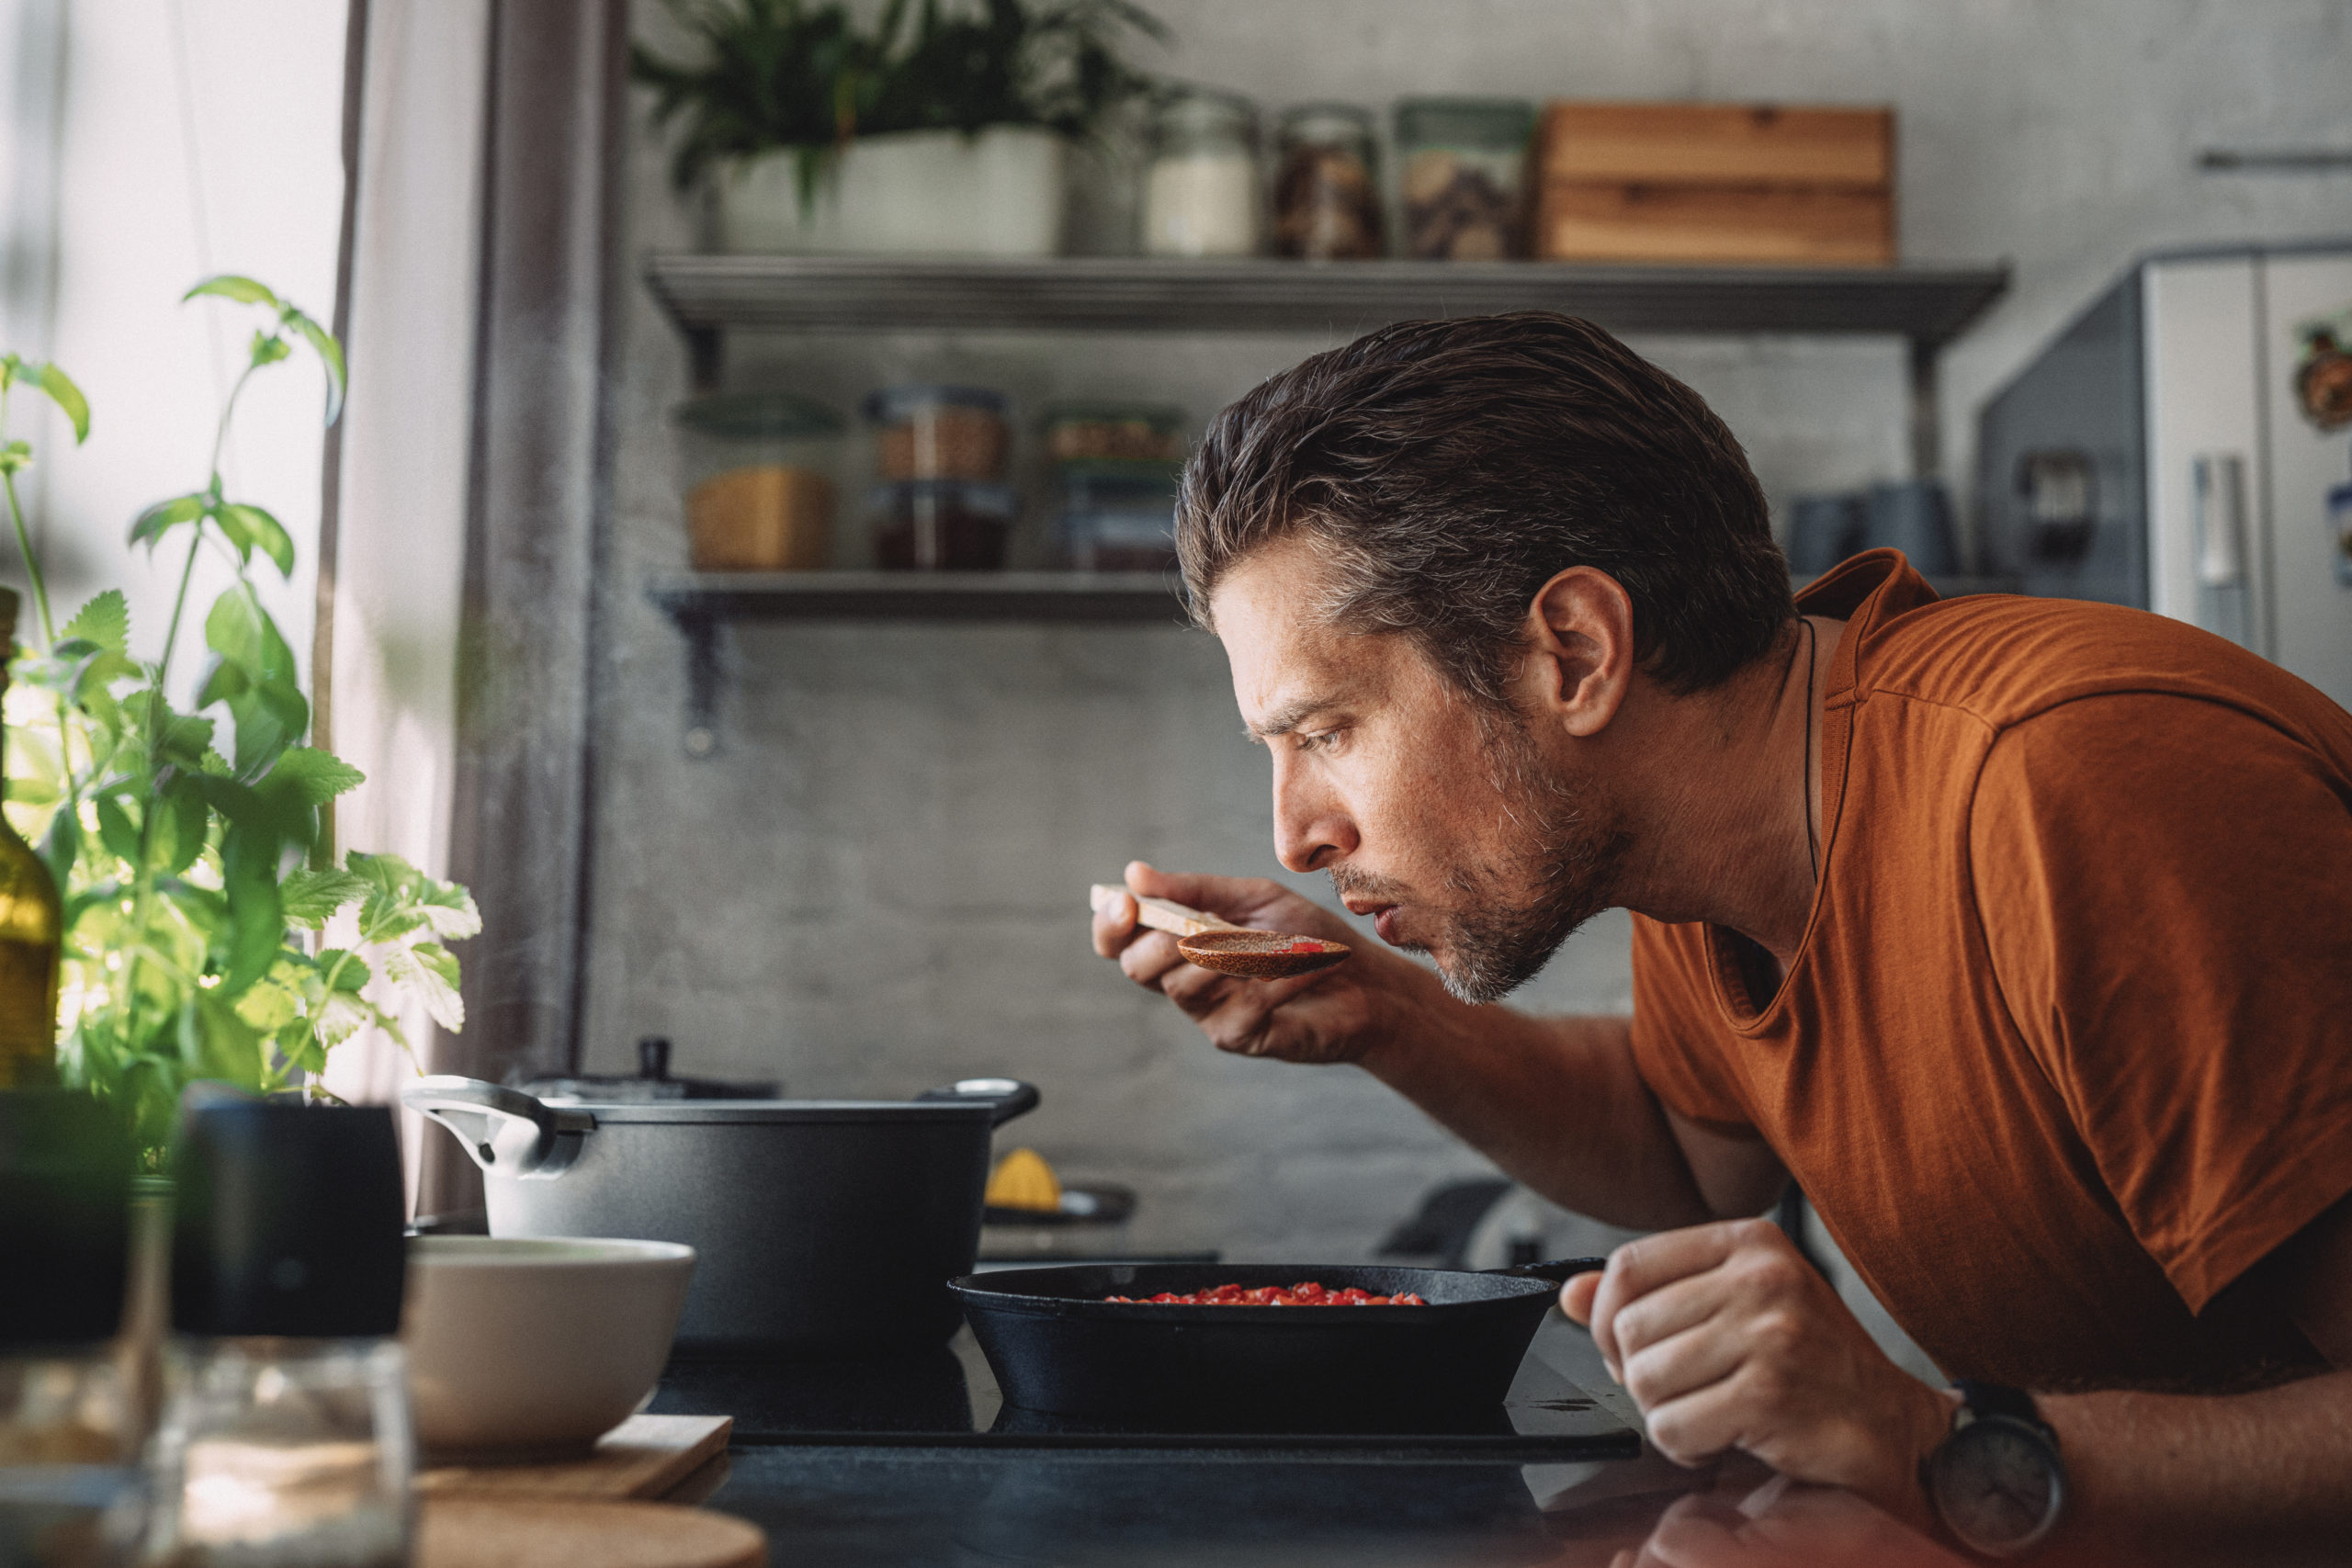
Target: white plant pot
[999, 193]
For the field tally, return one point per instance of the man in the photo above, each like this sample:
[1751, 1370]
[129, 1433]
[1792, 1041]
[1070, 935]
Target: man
[2019, 932]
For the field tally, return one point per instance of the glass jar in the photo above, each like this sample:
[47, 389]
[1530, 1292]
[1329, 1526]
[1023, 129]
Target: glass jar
[760, 469]
[1085, 432]
[1326, 197]
[280, 1450]
[1200, 190]
[1463, 166]
[938, 433]
[942, 525]
[1119, 517]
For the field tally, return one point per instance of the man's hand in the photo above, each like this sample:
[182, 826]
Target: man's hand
[1335, 1015]
[1728, 1339]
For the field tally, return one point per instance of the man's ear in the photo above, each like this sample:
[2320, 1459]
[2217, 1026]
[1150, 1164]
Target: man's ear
[1580, 649]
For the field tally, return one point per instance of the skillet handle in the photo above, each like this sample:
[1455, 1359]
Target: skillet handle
[1010, 1097]
[1560, 1270]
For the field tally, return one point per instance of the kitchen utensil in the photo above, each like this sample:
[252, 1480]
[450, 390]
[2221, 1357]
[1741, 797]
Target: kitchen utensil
[643, 1456]
[535, 1345]
[1219, 944]
[1056, 1345]
[565, 1533]
[817, 1225]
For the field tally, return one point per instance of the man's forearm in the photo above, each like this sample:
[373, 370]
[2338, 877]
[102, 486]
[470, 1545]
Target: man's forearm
[1555, 1102]
[2208, 1479]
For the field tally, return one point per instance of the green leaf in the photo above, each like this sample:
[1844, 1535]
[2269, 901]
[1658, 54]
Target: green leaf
[104, 620]
[67, 396]
[228, 286]
[249, 859]
[255, 677]
[115, 830]
[350, 970]
[181, 824]
[269, 348]
[261, 529]
[330, 352]
[61, 846]
[16, 456]
[312, 897]
[314, 776]
[165, 515]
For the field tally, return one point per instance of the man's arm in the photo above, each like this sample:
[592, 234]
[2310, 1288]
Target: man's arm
[1556, 1102]
[1728, 1340]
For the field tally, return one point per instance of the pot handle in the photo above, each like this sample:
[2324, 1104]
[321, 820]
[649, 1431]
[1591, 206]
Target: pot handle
[504, 1131]
[1560, 1270]
[1011, 1097]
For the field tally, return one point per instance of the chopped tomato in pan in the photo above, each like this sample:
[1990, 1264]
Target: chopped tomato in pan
[1306, 1294]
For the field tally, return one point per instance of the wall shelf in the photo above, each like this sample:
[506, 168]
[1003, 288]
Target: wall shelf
[703, 604]
[708, 296]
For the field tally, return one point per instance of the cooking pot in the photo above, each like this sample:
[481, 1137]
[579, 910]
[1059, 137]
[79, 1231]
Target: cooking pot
[820, 1225]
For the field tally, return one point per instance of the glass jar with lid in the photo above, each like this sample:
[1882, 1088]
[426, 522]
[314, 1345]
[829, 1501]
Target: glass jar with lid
[1463, 167]
[1200, 191]
[761, 476]
[1327, 196]
[939, 432]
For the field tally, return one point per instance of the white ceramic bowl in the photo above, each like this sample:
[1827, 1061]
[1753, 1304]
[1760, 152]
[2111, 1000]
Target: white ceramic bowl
[524, 1346]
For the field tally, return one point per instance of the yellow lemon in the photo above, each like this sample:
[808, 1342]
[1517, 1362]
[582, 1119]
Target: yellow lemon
[1023, 1180]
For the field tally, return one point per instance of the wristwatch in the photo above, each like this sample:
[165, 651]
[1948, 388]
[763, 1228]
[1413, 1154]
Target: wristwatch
[1997, 1481]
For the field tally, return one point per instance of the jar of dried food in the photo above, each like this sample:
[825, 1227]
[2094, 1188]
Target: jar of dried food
[1462, 164]
[1326, 197]
[1200, 190]
[1077, 432]
[938, 433]
[942, 525]
[761, 471]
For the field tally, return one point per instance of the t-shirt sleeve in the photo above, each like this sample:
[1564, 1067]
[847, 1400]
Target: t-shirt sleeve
[1677, 1049]
[2165, 888]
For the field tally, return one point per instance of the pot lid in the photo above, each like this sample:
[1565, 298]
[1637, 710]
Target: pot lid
[703, 1113]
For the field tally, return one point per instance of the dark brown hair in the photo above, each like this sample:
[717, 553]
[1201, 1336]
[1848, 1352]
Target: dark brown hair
[1445, 470]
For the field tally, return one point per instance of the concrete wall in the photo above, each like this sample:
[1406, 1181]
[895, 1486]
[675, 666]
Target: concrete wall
[878, 883]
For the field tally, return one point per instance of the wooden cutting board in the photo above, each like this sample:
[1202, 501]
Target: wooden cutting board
[642, 1457]
[479, 1532]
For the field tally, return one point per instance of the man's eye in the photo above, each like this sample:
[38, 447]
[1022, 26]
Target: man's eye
[1323, 740]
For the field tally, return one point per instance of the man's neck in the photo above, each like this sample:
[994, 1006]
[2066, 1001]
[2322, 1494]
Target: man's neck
[1722, 793]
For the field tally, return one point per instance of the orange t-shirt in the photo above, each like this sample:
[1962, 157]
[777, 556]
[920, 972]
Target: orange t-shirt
[2067, 1046]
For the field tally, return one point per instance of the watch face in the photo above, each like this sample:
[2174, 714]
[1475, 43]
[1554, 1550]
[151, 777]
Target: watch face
[1997, 1484]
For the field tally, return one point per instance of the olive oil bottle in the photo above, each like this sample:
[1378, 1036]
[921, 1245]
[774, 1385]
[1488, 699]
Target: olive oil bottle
[31, 925]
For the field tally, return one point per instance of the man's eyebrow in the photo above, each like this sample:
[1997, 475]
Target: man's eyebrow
[1288, 716]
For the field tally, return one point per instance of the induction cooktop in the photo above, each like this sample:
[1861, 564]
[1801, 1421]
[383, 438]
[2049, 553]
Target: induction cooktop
[948, 1398]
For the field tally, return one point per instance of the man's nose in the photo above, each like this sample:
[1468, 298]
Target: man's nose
[1312, 828]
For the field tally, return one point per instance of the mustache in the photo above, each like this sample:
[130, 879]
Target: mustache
[1349, 879]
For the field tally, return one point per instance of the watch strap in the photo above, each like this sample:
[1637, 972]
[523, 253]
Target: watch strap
[1978, 1398]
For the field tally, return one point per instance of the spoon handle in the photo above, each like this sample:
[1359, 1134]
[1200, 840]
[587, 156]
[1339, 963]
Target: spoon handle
[1162, 914]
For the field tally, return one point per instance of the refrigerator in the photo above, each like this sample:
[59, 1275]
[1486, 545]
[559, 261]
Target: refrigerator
[2185, 446]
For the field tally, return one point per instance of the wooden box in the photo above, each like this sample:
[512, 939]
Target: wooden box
[1715, 182]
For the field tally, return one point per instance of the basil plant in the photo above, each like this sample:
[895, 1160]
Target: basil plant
[188, 847]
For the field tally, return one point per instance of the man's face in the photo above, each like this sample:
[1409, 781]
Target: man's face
[1431, 811]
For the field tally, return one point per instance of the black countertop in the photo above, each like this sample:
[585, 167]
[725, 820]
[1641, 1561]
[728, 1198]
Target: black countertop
[890, 1463]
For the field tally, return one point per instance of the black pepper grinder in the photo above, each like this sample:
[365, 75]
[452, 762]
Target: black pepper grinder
[285, 1433]
[67, 1427]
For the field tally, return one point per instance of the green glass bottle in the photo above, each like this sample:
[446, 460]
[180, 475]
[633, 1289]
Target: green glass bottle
[31, 926]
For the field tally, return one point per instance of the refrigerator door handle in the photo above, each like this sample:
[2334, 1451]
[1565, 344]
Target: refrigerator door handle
[2219, 485]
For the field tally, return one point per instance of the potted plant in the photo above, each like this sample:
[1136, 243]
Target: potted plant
[188, 847]
[942, 131]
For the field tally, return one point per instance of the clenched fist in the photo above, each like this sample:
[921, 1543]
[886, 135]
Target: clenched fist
[1728, 1338]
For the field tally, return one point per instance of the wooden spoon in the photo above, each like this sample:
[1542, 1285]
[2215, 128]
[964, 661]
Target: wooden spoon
[1228, 949]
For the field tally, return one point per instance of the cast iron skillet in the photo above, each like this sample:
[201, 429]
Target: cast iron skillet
[1056, 1346]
